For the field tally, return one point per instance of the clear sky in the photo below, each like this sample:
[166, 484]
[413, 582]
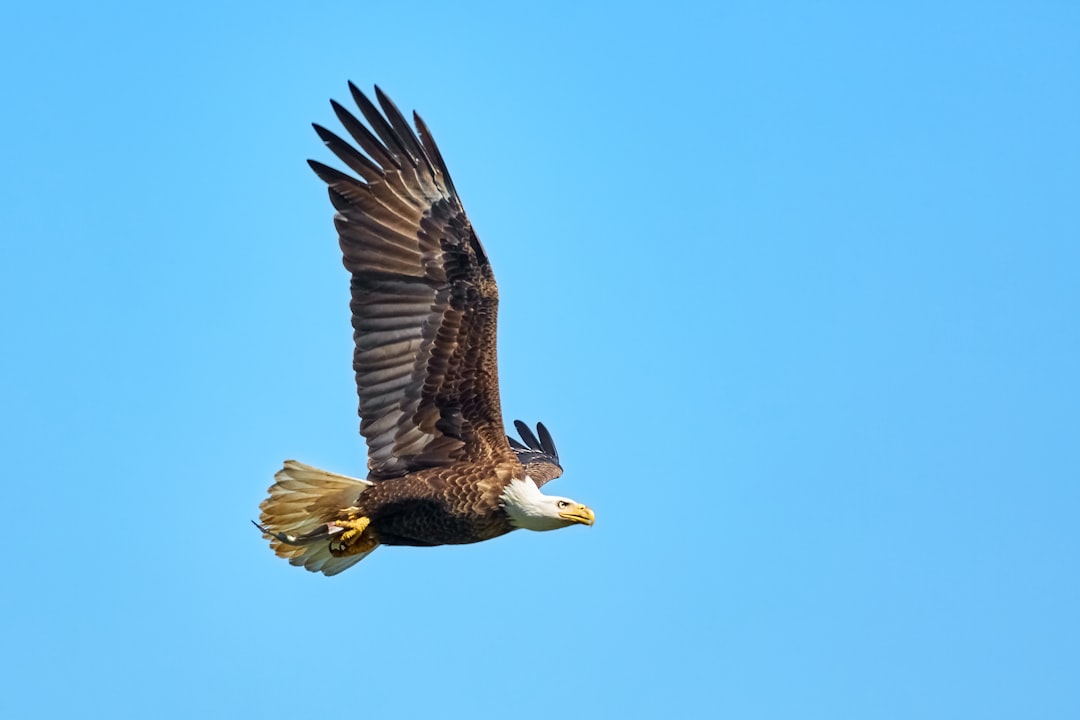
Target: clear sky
[795, 286]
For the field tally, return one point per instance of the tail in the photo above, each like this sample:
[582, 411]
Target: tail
[298, 516]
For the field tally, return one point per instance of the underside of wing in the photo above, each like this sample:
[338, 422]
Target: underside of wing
[424, 299]
[537, 454]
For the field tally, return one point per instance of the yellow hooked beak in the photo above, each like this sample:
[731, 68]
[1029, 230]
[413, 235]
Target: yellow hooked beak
[579, 514]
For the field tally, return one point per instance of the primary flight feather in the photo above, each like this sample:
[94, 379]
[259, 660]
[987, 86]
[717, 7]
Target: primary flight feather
[441, 469]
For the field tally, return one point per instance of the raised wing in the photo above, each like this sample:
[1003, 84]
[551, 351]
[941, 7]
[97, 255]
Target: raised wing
[539, 456]
[424, 300]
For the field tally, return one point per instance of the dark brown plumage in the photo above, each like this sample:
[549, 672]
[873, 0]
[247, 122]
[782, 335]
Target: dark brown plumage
[424, 306]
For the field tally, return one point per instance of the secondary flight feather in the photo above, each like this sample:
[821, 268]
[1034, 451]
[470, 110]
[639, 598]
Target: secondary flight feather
[441, 469]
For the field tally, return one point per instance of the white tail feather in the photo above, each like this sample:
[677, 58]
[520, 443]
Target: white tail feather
[304, 500]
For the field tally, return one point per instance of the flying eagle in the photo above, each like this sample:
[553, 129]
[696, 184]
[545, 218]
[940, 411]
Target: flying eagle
[441, 469]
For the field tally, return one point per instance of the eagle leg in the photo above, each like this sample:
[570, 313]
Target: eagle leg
[357, 538]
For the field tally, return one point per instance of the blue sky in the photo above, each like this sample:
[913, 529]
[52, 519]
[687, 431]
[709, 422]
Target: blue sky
[795, 287]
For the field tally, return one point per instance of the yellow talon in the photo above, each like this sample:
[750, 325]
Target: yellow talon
[354, 540]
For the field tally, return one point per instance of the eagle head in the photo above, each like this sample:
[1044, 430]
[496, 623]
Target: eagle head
[531, 509]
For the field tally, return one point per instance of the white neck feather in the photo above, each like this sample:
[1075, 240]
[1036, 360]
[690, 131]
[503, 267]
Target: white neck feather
[529, 508]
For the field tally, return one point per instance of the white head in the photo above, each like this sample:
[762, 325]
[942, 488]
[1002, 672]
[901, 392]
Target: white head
[533, 510]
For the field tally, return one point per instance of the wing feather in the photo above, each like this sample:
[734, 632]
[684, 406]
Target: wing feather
[349, 155]
[400, 127]
[538, 456]
[382, 128]
[368, 142]
[424, 298]
[433, 152]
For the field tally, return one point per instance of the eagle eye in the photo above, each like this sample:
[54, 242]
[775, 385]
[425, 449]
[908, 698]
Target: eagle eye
[562, 504]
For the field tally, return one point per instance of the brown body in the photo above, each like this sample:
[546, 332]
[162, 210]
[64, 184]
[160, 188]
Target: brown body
[441, 506]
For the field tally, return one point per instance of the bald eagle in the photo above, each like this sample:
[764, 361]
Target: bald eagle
[441, 469]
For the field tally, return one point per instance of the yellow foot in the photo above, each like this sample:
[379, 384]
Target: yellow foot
[355, 539]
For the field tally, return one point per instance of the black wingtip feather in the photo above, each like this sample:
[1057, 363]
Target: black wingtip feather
[527, 435]
[433, 151]
[364, 137]
[357, 161]
[380, 124]
[324, 171]
[537, 455]
[546, 441]
[330, 176]
[401, 125]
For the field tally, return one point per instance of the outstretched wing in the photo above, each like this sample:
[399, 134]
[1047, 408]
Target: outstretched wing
[424, 299]
[539, 456]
